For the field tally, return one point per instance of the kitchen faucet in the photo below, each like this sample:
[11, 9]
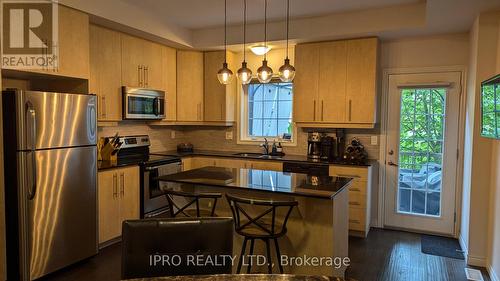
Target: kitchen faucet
[265, 145]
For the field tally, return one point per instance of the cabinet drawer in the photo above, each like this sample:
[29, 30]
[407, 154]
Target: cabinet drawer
[357, 200]
[357, 219]
[346, 171]
[358, 186]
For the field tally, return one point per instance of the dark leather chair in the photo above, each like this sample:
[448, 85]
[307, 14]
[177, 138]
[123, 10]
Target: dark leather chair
[192, 199]
[170, 246]
[258, 219]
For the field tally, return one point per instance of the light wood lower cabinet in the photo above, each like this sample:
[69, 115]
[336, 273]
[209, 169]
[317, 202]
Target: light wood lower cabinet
[118, 200]
[359, 196]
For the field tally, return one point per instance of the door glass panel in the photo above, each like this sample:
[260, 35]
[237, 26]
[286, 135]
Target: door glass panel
[421, 142]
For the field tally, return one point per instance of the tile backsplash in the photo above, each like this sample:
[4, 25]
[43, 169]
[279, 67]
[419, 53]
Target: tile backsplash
[214, 138]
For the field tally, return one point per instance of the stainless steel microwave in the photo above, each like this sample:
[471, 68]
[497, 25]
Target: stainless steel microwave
[140, 103]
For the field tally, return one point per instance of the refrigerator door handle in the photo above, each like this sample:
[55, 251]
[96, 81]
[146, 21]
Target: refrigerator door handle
[31, 126]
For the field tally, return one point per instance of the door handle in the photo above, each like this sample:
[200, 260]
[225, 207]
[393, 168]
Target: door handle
[350, 109]
[31, 125]
[122, 185]
[139, 73]
[103, 107]
[221, 112]
[146, 76]
[314, 110]
[115, 188]
[321, 110]
[390, 163]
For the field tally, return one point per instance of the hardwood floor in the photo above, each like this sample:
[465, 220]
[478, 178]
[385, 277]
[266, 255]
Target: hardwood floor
[383, 255]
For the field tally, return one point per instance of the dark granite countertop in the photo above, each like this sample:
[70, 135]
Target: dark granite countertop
[106, 165]
[261, 180]
[255, 156]
[242, 277]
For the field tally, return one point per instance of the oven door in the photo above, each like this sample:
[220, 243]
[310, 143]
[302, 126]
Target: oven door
[143, 103]
[154, 201]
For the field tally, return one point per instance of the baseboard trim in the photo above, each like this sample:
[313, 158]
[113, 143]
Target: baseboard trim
[461, 241]
[492, 273]
[476, 261]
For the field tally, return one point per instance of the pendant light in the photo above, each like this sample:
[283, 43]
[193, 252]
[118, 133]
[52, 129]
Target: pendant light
[244, 73]
[265, 73]
[225, 74]
[287, 71]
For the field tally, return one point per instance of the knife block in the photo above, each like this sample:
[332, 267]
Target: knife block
[107, 152]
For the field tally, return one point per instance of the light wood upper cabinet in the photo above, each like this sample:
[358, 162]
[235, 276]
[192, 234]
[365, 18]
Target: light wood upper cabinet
[153, 71]
[335, 84]
[118, 200]
[169, 78]
[219, 100]
[361, 83]
[190, 86]
[73, 43]
[141, 63]
[105, 72]
[332, 77]
[306, 82]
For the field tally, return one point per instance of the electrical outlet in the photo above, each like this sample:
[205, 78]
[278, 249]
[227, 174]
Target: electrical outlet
[172, 134]
[229, 135]
[374, 140]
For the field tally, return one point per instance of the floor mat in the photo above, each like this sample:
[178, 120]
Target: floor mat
[441, 246]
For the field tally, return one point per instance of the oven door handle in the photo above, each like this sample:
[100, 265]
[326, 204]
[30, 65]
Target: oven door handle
[156, 167]
[156, 106]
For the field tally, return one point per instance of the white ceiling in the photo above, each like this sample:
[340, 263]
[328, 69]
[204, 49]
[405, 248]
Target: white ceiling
[199, 23]
[198, 14]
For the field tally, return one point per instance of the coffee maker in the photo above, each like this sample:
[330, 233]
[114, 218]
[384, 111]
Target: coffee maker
[314, 145]
[332, 146]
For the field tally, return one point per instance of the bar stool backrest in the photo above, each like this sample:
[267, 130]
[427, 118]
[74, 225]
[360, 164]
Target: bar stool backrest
[260, 214]
[192, 199]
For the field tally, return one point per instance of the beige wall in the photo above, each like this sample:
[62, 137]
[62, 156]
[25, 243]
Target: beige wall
[494, 230]
[481, 170]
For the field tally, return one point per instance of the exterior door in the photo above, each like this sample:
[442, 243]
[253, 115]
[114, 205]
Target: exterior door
[423, 114]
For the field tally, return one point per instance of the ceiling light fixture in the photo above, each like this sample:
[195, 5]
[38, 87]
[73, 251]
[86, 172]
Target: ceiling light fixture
[225, 74]
[287, 71]
[265, 73]
[244, 73]
[260, 50]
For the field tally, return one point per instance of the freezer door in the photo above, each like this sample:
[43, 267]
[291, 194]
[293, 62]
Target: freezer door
[54, 120]
[61, 208]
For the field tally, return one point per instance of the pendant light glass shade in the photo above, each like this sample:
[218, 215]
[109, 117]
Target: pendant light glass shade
[287, 71]
[225, 75]
[264, 73]
[244, 74]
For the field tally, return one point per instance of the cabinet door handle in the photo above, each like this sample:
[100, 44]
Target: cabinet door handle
[350, 109]
[115, 188]
[139, 74]
[355, 189]
[314, 110]
[221, 112]
[354, 203]
[103, 106]
[122, 185]
[321, 110]
[354, 221]
[146, 76]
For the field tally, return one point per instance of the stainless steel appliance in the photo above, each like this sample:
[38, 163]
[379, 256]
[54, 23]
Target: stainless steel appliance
[50, 181]
[332, 147]
[135, 149]
[314, 145]
[140, 103]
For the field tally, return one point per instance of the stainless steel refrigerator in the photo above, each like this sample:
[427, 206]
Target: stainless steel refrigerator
[50, 181]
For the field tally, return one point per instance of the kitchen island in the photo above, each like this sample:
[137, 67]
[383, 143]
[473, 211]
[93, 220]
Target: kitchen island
[317, 228]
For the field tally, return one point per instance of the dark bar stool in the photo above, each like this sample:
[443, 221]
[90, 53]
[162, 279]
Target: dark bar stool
[262, 226]
[192, 198]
